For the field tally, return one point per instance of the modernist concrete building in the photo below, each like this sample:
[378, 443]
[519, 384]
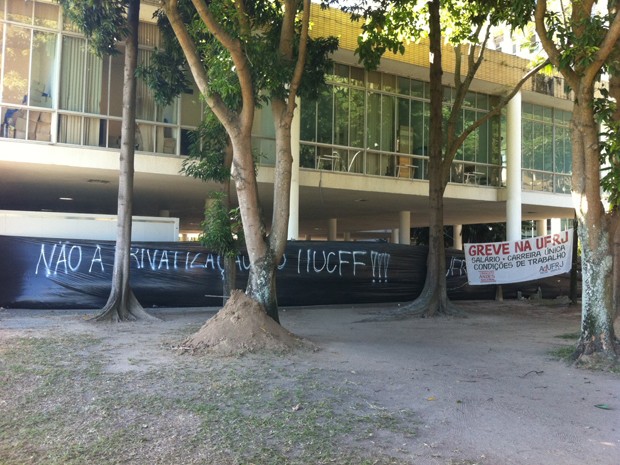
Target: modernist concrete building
[361, 163]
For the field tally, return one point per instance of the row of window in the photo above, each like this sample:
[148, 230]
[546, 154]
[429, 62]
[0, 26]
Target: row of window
[363, 121]
[45, 64]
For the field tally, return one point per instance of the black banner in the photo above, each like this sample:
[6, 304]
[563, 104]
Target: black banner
[57, 273]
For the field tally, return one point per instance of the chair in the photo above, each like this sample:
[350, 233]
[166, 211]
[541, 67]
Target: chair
[353, 160]
[334, 161]
[405, 168]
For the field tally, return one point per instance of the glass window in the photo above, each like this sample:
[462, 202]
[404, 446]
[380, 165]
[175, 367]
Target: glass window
[42, 75]
[484, 143]
[308, 121]
[20, 11]
[115, 76]
[341, 115]
[357, 113]
[16, 64]
[559, 150]
[403, 129]
[374, 80]
[417, 88]
[447, 95]
[470, 100]
[389, 82]
[357, 76]
[388, 114]
[419, 129]
[527, 150]
[373, 124]
[148, 34]
[145, 102]
[191, 107]
[342, 73]
[325, 113]
[46, 14]
[80, 83]
[548, 147]
[470, 145]
[403, 85]
[538, 139]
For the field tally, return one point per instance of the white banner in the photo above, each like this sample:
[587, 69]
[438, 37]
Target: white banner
[524, 260]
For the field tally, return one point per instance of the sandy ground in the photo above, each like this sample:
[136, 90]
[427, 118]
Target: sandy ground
[484, 387]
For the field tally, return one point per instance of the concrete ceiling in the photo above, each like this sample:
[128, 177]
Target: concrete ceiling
[365, 206]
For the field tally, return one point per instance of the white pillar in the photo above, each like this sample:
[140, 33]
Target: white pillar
[347, 236]
[556, 225]
[332, 229]
[404, 229]
[395, 234]
[457, 239]
[513, 169]
[293, 219]
[541, 227]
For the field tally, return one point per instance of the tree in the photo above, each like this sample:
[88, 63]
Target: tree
[267, 48]
[105, 23]
[579, 41]
[389, 26]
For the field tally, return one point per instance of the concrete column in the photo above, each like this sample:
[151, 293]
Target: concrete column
[395, 234]
[164, 213]
[457, 239]
[513, 169]
[541, 227]
[293, 220]
[404, 229]
[347, 236]
[556, 225]
[332, 229]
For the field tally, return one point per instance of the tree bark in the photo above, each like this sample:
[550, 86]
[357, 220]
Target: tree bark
[597, 331]
[122, 304]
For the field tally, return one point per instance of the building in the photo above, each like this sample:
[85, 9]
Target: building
[361, 165]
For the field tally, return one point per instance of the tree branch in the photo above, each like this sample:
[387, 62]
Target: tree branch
[235, 48]
[301, 55]
[451, 151]
[549, 46]
[605, 49]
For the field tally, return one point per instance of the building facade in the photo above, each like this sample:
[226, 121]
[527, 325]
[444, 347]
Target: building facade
[360, 150]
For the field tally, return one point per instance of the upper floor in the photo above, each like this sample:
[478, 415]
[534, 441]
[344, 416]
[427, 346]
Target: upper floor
[54, 90]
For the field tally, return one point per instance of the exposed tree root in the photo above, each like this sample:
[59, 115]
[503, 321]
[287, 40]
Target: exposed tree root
[118, 309]
[596, 355]
[425, 306]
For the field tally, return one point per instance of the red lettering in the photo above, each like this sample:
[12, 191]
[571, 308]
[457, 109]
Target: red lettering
[561, 238]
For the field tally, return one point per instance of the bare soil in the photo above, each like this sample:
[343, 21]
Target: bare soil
[483, 389]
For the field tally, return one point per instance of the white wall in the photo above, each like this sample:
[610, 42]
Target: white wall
[85, 226]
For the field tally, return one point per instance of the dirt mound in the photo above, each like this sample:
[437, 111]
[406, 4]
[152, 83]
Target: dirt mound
[242, 326]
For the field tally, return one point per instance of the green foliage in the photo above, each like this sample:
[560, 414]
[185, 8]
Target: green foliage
[222, 229]
[604, 108]
[271, 74]
[392, 24]
[207, 150]
[104, 22]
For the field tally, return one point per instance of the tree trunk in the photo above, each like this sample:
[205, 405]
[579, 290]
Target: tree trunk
[122, 304]
[597, 331]
[261, 278]
[433, 299]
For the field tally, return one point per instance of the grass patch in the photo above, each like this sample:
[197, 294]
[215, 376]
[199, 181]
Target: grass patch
[570, 336]
[564, 353]
[61, 406]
